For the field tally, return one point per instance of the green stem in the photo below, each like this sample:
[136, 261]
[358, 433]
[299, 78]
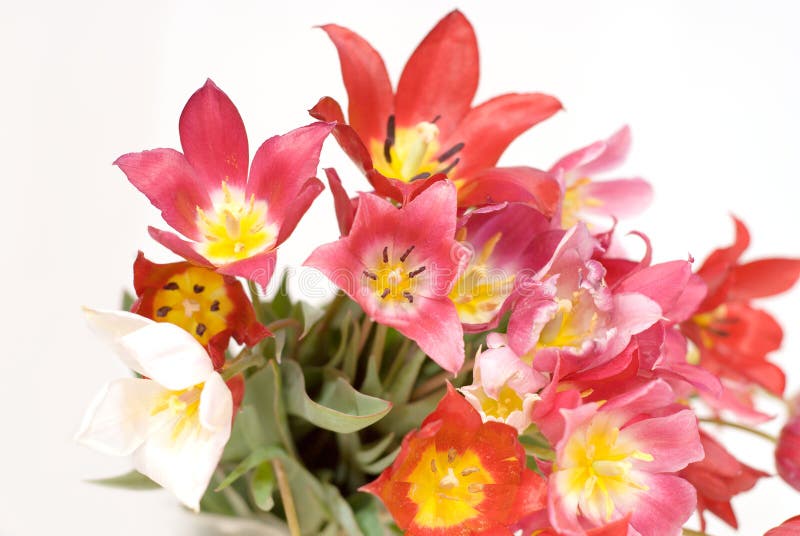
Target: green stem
[246, 359]
[690, 532]
[286, 498]
[738, 426]
[284, 323]
[236, 502]
[378, 346]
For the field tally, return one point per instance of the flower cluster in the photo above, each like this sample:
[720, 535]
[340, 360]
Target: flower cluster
[494, 364]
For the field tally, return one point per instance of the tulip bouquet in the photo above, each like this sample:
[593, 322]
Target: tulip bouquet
[493, 363]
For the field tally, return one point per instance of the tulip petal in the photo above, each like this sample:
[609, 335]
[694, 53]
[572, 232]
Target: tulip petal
[369, 90]
[665, 507]
[441, 76]
[763, 278]
[533, 187]
[344, 206]
[214, 139]
[178, 246]
[118, 420]
[621, 198]
[171, 185]
[169, 355]
[216, 404]
[112, 326]
[665, 439]
[258, 268]
[328, 110]
[281, 169]
[616, 150]
[489, 128]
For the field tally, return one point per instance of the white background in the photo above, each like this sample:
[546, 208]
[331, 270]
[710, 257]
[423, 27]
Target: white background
[711, 90]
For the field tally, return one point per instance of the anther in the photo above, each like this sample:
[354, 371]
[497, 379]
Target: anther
[469, 470]
[385, 293]
[215, 306]
[433, 465]
[475, 487]
[386, 254]
[451, 152]
[419, 177]
[200, 329]
[407, 295]
[162, 311]
[172, 285]
[387, 145]
[449, 168]
[405, 254]
[415, 273]
[371, 275]
[451, 455]
[198, 289]
[438, 116]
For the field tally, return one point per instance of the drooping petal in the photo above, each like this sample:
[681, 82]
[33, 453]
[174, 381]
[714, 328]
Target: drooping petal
[369, 90]
[118, 420]
[214, 139]
[621, 198]
[171, 185]
[258, 268]
[343, 205]
[178, 246]
[616, 150]
[488, 129]
[169, 355]
[763, 278]
[328, 110]
[281, 169]
[441, 76]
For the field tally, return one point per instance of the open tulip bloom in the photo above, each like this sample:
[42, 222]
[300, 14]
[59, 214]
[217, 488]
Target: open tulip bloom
[492, 362]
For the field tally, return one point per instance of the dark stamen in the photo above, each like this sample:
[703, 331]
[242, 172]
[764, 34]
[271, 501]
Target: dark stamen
[162, 311]
[450, 153]
[385, 293]
[371, 275]
[419, 177]
[198, 289]
[416, 272]
[719, 332]
[438, 116]
[449, 168]
[172, 285]
[386, 254]
[200, 329]
[215, 306]
[407, 295]
[404, 256]
[387, 145]
[451, 455]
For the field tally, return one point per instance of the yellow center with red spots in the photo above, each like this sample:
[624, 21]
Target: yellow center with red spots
[447, 486]
[394, 280]
[196, 300]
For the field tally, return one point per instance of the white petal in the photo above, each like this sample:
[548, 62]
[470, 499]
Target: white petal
[183, 465]
[169, 355]
[111, 326]
[118, 419]
[216, 404]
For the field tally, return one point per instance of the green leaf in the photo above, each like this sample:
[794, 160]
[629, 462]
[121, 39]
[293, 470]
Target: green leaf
[341, 511]
[309, 316]
[132, 480]
[367, 514]
[343, 343]
[262, 485]
[340, 409]
[402, 384]
[281, 303]
[256, 458]
[369, 453]
[351, 356]
[405, 417]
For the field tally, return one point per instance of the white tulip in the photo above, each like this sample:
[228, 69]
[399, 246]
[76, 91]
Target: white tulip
[175, 421]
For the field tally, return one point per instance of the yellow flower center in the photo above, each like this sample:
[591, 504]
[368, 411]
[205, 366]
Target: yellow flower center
[391, 279]
[597, 468]
[507, 402]
[481, 290]
[196, 300]
[447, 487]
[183, 407]
[571, 325]
[575, 200]
[706, 321]
[237, 228]
[412, 153]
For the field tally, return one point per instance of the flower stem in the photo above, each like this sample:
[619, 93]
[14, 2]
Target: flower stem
[286, 497]
[378, 346]
[690, 532]
[246, 359]
[283, 323]
[738, 426]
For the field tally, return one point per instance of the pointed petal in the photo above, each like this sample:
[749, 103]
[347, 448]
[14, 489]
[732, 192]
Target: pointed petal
[296, 210]
[616, 150]
[213, 138]
[344, 206]
[369, 91]
[762, 278]
[171, 185]
[440, 77]
[281, 169]
[622, 198]
[118, 420]
[437, 330]
[258, 268]
[488, 129]
[328, 110]
[112, 326]
[178, 246]
[169, 355]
